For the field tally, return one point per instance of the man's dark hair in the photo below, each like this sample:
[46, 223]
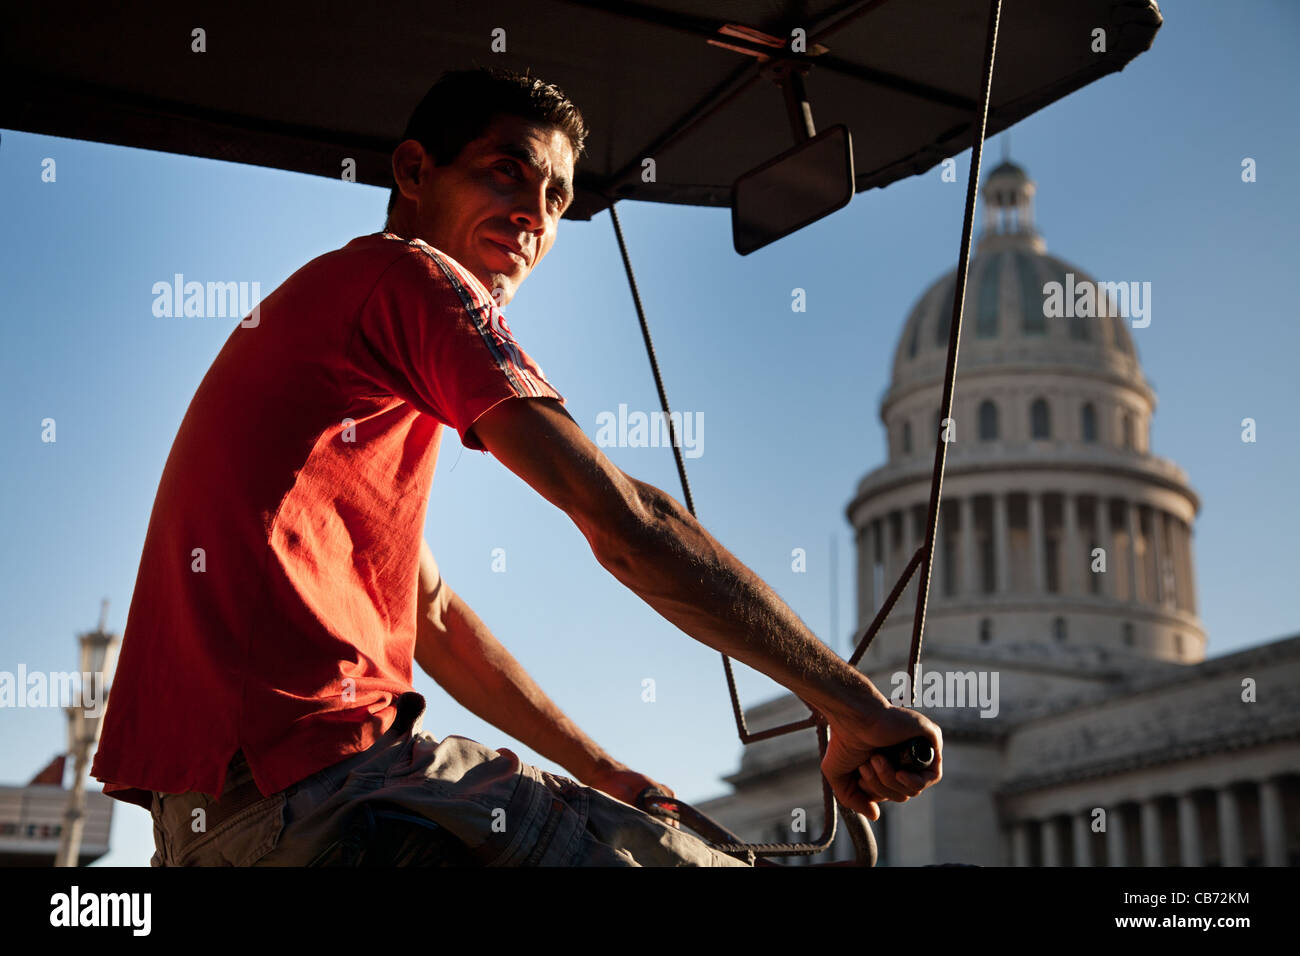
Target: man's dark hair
[461, 105]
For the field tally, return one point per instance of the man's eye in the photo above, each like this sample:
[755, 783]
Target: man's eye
[557, 199]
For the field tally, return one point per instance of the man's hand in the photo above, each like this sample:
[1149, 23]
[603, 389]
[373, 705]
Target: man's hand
[625, 784]
[860, 776]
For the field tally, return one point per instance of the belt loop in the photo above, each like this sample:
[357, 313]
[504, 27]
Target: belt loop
[163, 845]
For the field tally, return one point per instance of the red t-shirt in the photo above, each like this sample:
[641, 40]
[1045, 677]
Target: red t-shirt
[275, 606]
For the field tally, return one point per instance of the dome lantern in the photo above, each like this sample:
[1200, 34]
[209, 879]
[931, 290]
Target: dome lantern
[1008, 195]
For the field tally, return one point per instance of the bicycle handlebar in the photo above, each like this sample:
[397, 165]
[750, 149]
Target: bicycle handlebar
[914, 754]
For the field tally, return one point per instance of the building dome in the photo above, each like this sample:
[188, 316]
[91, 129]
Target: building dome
[1061, 534]
[1009, 320]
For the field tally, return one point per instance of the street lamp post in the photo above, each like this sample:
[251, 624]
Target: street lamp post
[98, 651]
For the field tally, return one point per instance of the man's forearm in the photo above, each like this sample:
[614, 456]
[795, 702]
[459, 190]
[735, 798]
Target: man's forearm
[685, 574]
[463, 656]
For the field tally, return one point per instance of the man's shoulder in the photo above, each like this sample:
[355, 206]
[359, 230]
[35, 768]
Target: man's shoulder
[415, 262]
[382, 246]
[384, 260]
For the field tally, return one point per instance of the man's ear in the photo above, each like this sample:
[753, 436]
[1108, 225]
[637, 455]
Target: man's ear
[408, 164]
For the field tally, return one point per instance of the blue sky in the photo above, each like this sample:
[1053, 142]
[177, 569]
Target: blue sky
[1138, 180]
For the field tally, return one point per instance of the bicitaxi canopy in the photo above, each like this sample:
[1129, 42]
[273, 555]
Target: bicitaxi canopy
[780, 110]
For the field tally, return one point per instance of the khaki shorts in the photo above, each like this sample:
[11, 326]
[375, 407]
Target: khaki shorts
[456, 802]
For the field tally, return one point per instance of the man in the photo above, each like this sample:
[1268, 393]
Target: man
[263, 701]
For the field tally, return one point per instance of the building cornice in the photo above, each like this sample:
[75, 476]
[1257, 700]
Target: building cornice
[1020, 457]
[1005, 365]
[1154, 757]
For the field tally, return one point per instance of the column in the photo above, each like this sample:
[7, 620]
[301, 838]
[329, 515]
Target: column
[1230, 843]
[1003, 580]
[866, 573]
[1176, 561]
[1038, 575]
[1071, 581]
[1150, 590]
[970, 585]
[1051, 840]
[1189, 832]
[1101, 520]
[1163, 590]
[909, 548]
[889, 572]
[1183, 552]
[1191, 572]
[873, 548]
[1130, 519]
[942, 537]
[1020, 843]
[1115, 843]
[1151, 842]
[1271, 822]
[1082, 834]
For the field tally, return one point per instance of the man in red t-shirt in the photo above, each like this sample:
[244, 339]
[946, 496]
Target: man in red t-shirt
[285, 589]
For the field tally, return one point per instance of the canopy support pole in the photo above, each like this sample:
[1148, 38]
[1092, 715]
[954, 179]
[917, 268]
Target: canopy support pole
[789, 76]
[954, 337]
[796, 98]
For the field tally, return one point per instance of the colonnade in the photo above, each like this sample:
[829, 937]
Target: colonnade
[1148, 549]
[1068, 839]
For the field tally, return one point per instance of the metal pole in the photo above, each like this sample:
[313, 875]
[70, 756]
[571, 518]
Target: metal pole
[83, 736]
[74, 817]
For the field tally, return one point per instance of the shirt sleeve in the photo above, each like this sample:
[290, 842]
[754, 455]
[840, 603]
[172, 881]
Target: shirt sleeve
[431, 335]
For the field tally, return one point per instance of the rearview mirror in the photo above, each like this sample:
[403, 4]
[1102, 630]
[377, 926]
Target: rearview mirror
[795, 189]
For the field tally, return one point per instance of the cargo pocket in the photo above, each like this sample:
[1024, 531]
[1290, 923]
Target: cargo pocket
[564, 823]
[556, 814]
[240, 841]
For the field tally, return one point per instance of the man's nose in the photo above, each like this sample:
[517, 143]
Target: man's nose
[530, 208]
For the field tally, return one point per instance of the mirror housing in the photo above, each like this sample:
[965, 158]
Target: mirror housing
[805, 183]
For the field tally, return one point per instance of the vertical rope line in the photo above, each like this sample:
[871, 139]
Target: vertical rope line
[954, 333]
[677, 452]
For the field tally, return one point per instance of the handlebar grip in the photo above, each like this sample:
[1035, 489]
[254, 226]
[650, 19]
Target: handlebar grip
[658, 803]
[914, 754]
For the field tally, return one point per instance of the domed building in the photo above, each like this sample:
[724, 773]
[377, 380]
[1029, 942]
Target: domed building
[1049, 472]
[1062, 658]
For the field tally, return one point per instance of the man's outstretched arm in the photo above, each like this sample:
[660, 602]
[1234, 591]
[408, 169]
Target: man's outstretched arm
[651, 544]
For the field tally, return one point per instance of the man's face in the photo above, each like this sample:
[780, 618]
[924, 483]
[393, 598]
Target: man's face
[494, 210]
